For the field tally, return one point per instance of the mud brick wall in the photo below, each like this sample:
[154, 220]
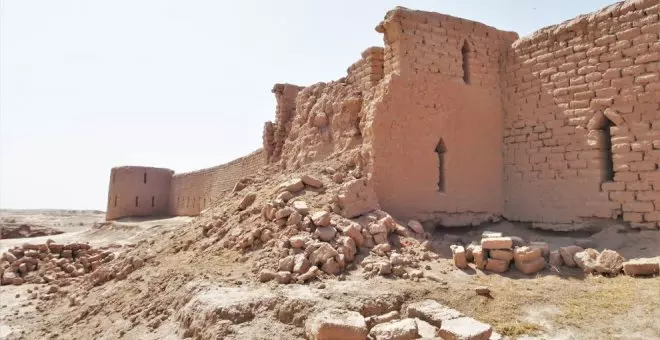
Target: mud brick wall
[419, 42]
[427, 105]
[575, 96]
[138, 191]
[192, 192]
[367, 71]
[276, 133]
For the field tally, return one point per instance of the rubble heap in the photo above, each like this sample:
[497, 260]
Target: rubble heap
[50, 262]
[496, 252]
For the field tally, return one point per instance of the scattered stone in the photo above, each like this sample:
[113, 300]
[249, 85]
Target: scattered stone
[527, 253]
[531, 266]
[356, 197]
[247, 201]
[586, 259]
[284, 213]
[395, 330]
[642, 266]
[294, 218]
[543, 246]
[517, 241]
[483, 290]
[283, 277]
[465, 328]
[460, 260]
[293, 185]
[554, 258]
[425, 329]
[497, 266]
[311, 181]
[301, 264]
[378, 319]
[416, 226]
[609, 262]
[286, 264]
[567, 254]
[285, 196]
[313, 272]
[497, 243]
[326, 233]
[322, 254]
[431, 311]
[336, 324]
[301, 207]
[297, 242]
[266, 275]
[501, 254]
[321, 218]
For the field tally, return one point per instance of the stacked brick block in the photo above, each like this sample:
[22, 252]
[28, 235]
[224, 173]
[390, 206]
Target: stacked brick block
[367, 71]
[562, 85]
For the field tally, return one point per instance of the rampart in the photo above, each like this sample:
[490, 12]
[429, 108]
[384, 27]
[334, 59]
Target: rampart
[456, 122]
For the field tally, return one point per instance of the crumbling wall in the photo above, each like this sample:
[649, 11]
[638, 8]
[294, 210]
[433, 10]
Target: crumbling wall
[562, 86]
[138, 191]
[276, 133]
[195, 191]
[426, 110]
[367, 71]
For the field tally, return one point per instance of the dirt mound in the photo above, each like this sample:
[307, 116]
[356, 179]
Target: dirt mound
[26, 230]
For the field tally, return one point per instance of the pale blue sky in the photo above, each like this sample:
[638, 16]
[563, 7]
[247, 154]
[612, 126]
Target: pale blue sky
[88, 85]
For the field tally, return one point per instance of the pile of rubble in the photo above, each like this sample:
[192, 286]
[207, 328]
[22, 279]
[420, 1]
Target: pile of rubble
[496, 252]
[608, 262]
[424, 319]
[328, 240]
[317, 224]
[48, 262]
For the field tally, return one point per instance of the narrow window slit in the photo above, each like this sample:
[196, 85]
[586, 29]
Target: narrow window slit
[136, 201]
[153, 201]
[465, 51]
[441, 149]
[145, 177]
[608, 163]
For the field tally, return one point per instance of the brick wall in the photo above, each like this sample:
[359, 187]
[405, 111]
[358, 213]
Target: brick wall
[426, 100]
[418, 42]
[564, 86]
[138, 191]
[192, 192]
[367, 71]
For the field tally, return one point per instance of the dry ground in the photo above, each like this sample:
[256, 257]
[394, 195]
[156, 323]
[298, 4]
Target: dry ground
[153, 302]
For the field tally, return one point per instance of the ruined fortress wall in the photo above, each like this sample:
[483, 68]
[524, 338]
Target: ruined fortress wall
[192, 192]
[367, 71]
[565, 86]
[138, 191]
[429, 115]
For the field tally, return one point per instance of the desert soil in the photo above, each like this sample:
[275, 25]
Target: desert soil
[181, 291]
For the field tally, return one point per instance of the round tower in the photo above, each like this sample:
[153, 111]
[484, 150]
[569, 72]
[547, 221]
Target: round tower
[138, 191]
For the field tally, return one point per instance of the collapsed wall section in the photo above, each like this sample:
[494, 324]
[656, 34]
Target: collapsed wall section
[138, 191]
[582, 119]
[195, 191]
[435, 128]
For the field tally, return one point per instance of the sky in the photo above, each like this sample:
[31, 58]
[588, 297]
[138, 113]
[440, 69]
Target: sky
[89, 85]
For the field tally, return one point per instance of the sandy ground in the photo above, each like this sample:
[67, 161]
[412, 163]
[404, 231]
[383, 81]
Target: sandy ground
[156, 302]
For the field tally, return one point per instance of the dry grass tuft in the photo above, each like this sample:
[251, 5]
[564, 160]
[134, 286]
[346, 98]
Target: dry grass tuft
[518, 328]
